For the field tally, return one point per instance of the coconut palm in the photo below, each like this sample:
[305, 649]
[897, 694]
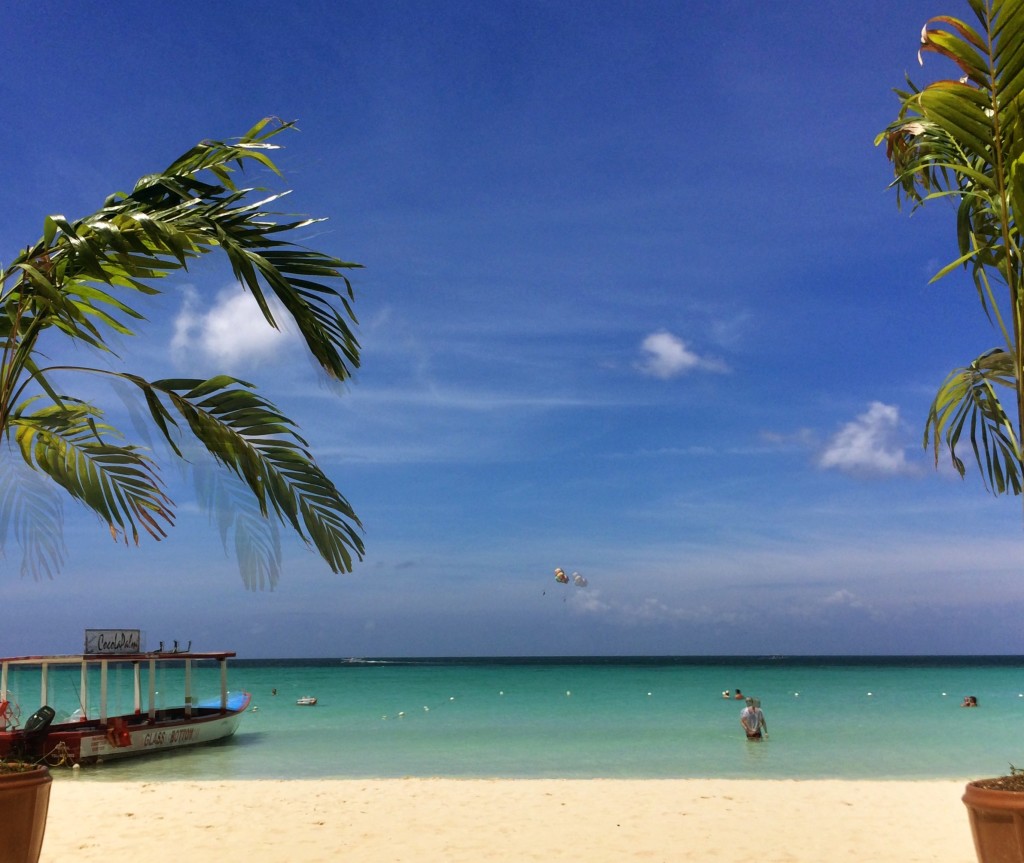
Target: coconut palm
[81, 284]
[963, 140]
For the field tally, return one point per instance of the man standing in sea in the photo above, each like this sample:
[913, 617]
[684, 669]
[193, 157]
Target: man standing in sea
[752, 720]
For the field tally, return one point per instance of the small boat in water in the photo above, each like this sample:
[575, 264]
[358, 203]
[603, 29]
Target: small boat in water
[306, 701]
[91, 734]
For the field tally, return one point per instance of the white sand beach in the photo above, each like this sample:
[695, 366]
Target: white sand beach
[426, 820]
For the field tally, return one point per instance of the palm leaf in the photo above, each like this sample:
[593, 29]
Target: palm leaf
[31, 516]
[968, 400]
[964, 140]
[255, 540]
[116, 481]
[73, 283]
[260, 446]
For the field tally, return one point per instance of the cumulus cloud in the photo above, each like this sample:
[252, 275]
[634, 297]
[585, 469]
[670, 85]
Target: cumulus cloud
[842, 601]
[868, 444]
[667, 356]
[231, 332]
[843, 597]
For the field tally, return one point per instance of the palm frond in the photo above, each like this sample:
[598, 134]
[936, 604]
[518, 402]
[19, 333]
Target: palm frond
[260, 445]
[255, 540]
[968, 400]
[81, 279]
[32, 518]
[169, 219]
[116, 481]
[963, 140]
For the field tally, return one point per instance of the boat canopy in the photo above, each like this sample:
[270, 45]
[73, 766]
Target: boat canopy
[77, 658]
[104, 661]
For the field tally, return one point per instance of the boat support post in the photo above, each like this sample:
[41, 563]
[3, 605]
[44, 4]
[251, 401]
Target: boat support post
[137, 682]
[188, 687]
[83, 690]
[103, 692]
[152, 689]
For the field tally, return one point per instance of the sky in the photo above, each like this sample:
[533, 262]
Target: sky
[636, 303]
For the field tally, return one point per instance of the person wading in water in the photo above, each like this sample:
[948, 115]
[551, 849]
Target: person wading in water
[752, 720]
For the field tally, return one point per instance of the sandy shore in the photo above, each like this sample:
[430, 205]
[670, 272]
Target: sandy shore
[426, 820]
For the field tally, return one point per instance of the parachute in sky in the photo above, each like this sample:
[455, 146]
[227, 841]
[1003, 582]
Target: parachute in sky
[562, 578]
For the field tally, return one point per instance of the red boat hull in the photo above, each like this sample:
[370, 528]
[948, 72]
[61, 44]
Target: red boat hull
[90, 741]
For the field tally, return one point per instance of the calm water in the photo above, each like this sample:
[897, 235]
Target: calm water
[635, 718]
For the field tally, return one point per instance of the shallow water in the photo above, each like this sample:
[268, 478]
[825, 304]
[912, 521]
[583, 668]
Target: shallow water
[628, 718]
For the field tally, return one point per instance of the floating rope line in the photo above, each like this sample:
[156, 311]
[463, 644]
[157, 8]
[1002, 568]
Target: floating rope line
[402, 714]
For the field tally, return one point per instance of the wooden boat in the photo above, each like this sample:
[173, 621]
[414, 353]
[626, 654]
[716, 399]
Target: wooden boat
[90, 733]
[306, 701]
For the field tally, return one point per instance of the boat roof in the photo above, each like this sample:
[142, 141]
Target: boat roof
[79, 658]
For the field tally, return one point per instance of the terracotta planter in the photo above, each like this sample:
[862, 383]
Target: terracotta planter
[997, 823]
[24, 800]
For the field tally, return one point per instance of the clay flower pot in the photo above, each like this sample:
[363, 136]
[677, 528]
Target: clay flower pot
[997, 820]
[24, 800]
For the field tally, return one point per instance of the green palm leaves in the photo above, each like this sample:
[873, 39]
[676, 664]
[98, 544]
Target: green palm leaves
[76, 283]
[963, 140]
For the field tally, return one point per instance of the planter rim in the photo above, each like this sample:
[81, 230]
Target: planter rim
[26, 779]
[30, 768]
[992, 798]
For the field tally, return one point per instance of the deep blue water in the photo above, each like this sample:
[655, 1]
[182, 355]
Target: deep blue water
[658, 717]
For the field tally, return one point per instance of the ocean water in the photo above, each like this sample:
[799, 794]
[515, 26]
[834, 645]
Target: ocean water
[828, 717]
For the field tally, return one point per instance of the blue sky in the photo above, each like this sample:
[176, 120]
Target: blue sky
[636, 303]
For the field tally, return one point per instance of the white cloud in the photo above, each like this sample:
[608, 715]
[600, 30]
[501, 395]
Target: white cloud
[803, 438]
[843, 597]
[667, 356]
[843, 601]
[868, 444]
[232, 332]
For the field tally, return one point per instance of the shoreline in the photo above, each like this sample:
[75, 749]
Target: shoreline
[594, 820]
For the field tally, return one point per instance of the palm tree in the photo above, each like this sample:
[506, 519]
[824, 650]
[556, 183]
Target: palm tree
[963, 140]
[79, 284]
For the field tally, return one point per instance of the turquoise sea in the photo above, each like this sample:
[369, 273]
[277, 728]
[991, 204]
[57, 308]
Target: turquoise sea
[659, 717]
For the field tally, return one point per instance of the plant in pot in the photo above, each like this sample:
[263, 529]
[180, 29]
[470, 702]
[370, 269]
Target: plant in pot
[77, 288]
[962, 140]
[24, 800]
[24, 788]
[996, 810]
